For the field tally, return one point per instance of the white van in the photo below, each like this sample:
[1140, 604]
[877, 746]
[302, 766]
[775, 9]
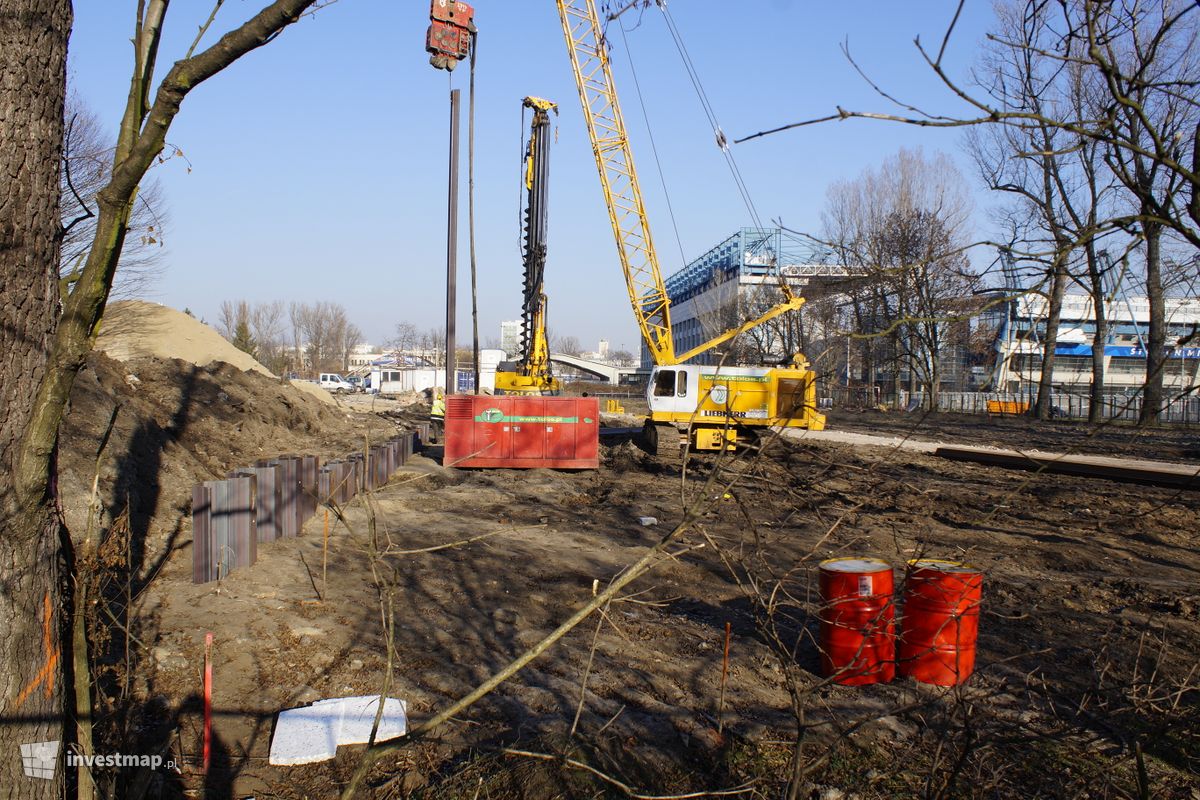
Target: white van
[335, 383]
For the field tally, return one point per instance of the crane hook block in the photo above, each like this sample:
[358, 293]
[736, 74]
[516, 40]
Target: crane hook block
[451, 24]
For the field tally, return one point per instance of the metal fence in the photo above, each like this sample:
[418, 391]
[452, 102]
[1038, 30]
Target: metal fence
[1063, 405]
[273, 499]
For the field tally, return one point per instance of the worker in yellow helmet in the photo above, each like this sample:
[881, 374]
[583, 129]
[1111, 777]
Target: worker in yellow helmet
[437, 414]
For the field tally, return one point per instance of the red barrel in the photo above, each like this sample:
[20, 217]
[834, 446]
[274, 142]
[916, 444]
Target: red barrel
[940, 621]
[857, 636]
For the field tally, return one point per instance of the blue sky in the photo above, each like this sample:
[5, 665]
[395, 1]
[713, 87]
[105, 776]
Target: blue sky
[318, 163]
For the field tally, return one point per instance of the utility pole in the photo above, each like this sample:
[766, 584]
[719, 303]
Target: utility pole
[471, 218]
[452, 248]
[448, 41]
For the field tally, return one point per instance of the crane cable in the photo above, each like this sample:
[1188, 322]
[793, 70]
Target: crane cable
[722, 141]
[662, 178]
[521, 188]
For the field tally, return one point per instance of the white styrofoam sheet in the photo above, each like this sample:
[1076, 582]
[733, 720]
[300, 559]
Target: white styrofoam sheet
[312, 733]
[359, 715]
[306, 735]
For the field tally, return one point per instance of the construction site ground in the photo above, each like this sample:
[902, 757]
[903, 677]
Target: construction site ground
[1088, 650]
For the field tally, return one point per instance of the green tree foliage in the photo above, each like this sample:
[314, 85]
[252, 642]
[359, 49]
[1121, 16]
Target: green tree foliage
[242, 339]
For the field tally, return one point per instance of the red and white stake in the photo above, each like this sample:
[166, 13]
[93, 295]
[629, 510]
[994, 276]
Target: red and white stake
[208, 639]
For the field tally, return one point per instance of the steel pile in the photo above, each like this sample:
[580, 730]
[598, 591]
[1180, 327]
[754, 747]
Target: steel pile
[274, 498]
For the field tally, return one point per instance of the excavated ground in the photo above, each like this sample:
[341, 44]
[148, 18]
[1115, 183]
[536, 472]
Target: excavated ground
[1087, 652]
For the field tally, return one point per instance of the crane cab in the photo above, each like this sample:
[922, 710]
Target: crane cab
[673, 390]
[714, 403]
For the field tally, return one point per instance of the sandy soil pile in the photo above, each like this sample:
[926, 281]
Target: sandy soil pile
[138, 329]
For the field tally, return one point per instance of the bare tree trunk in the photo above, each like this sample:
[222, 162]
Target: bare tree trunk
[1100, 339]
[1058, 286]
[865, 360]
[935, 380]
[1156, 358]
[39, 359]
[33, 49]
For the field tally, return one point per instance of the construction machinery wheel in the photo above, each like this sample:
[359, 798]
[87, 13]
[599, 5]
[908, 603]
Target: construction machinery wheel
[661, 440]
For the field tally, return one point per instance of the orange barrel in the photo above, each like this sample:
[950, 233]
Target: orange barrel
[857, 636]
[940, 621]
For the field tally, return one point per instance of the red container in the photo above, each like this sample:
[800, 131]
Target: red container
[522, 432]
[940, 622]
[857, 634]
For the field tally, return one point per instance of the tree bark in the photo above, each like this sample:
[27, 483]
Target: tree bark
[1100, 338]
[1156, 359]
[43, 344]
[1058, 287]
[33, 53]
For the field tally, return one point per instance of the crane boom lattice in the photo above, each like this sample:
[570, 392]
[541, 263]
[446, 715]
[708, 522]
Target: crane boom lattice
[618, 178]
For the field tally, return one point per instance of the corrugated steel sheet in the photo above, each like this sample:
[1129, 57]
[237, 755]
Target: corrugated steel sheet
[291, 517]
[309, 466]
[202, 541]
[225, 537]
[268, 501]
[274, 498]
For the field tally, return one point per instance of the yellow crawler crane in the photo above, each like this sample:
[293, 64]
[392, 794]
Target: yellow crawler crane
[714, 405]
[532, 374]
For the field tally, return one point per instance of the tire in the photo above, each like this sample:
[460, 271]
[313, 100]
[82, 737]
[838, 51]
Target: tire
[662, 441]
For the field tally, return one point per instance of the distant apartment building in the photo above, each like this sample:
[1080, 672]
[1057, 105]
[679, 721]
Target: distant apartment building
[362, 356]
[510, 337]
[1021, 331]
[600, 354]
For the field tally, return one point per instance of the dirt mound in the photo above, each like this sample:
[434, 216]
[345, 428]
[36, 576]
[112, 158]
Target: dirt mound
[312, 390]
[178, 424]
[137, 329]
[625, 456]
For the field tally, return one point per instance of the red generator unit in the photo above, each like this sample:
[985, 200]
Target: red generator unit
[522, 432]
